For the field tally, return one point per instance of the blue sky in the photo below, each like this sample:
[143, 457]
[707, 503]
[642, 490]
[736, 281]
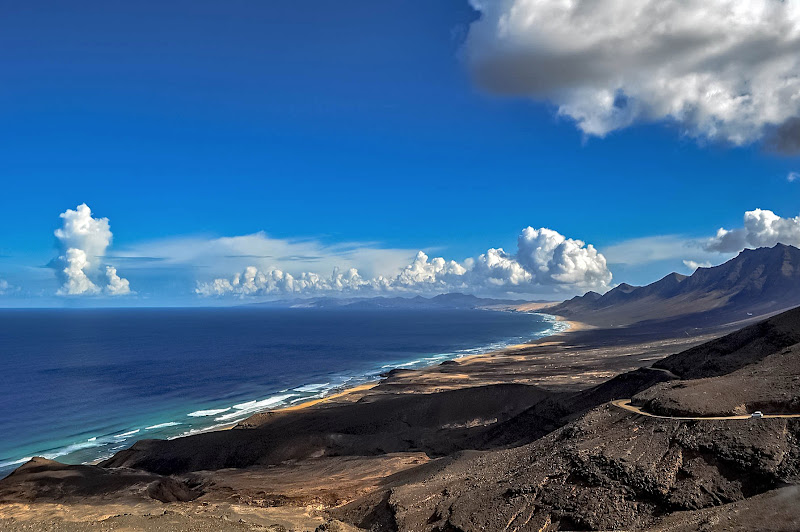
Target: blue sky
[355, 124]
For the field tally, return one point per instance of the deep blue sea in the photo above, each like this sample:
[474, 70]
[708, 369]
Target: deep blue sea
[79, 385]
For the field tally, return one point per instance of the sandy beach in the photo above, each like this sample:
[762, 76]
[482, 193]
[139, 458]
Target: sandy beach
[333, 397]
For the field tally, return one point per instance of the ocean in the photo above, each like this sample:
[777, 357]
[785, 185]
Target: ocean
[78, 385]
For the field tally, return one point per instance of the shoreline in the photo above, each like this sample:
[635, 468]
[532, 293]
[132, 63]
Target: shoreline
[572, 326]
[364, 387]
[312, 402]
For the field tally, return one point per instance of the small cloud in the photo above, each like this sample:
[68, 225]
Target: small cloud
[793, 176]
[135, 259]
[248, 256]
[117, 286]
[301, 258]
[692, 265]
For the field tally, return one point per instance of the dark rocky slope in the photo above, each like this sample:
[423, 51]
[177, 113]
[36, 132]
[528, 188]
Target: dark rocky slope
[437, 424]
[608, 470]
[556, 410]
[47, 480]
[770, 385]
[736, 350]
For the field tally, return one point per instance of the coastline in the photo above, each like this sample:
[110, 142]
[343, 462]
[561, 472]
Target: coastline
[338, 395]
[355, 392]
[362, 389]
[572, 326]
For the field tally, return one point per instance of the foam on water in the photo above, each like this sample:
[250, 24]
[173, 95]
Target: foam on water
[251, 407]
[69, 449]
[307, 398]
[163, 425]
[15, 462]
[208, 413]
[312, 387]
[126, 434]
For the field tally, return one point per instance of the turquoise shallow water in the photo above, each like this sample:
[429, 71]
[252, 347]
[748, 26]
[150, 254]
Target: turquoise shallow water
[78, 385]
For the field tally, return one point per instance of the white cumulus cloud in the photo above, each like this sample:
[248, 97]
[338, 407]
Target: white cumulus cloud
[693, 265]
[117, 286]
[76, 281]
[4, 287]
[545, 260]
[436, 274]
[720, 69]
[255, 282]
[83, 241]
[554, 259]
[761, 228]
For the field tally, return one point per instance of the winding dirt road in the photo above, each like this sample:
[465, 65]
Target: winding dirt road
[625, 404]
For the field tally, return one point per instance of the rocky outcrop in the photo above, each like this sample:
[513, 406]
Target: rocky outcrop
[47, 480]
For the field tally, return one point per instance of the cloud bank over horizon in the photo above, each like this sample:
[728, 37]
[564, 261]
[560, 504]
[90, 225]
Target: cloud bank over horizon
[545, 261]
[83, 241]
[720, 69]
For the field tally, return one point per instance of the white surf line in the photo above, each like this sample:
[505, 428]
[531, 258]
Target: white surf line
[625, 404]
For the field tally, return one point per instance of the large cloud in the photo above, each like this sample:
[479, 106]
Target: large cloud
[721, 69]
[554, 259]
[761, 228]
[83, 241]
[545, 261]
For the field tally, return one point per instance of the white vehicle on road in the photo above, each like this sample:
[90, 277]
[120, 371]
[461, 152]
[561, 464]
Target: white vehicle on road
[757, 414]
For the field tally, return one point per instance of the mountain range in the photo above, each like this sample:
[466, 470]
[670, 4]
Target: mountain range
[757, 282]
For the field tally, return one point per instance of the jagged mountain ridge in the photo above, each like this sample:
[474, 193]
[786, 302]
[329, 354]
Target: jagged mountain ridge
[755, 283]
